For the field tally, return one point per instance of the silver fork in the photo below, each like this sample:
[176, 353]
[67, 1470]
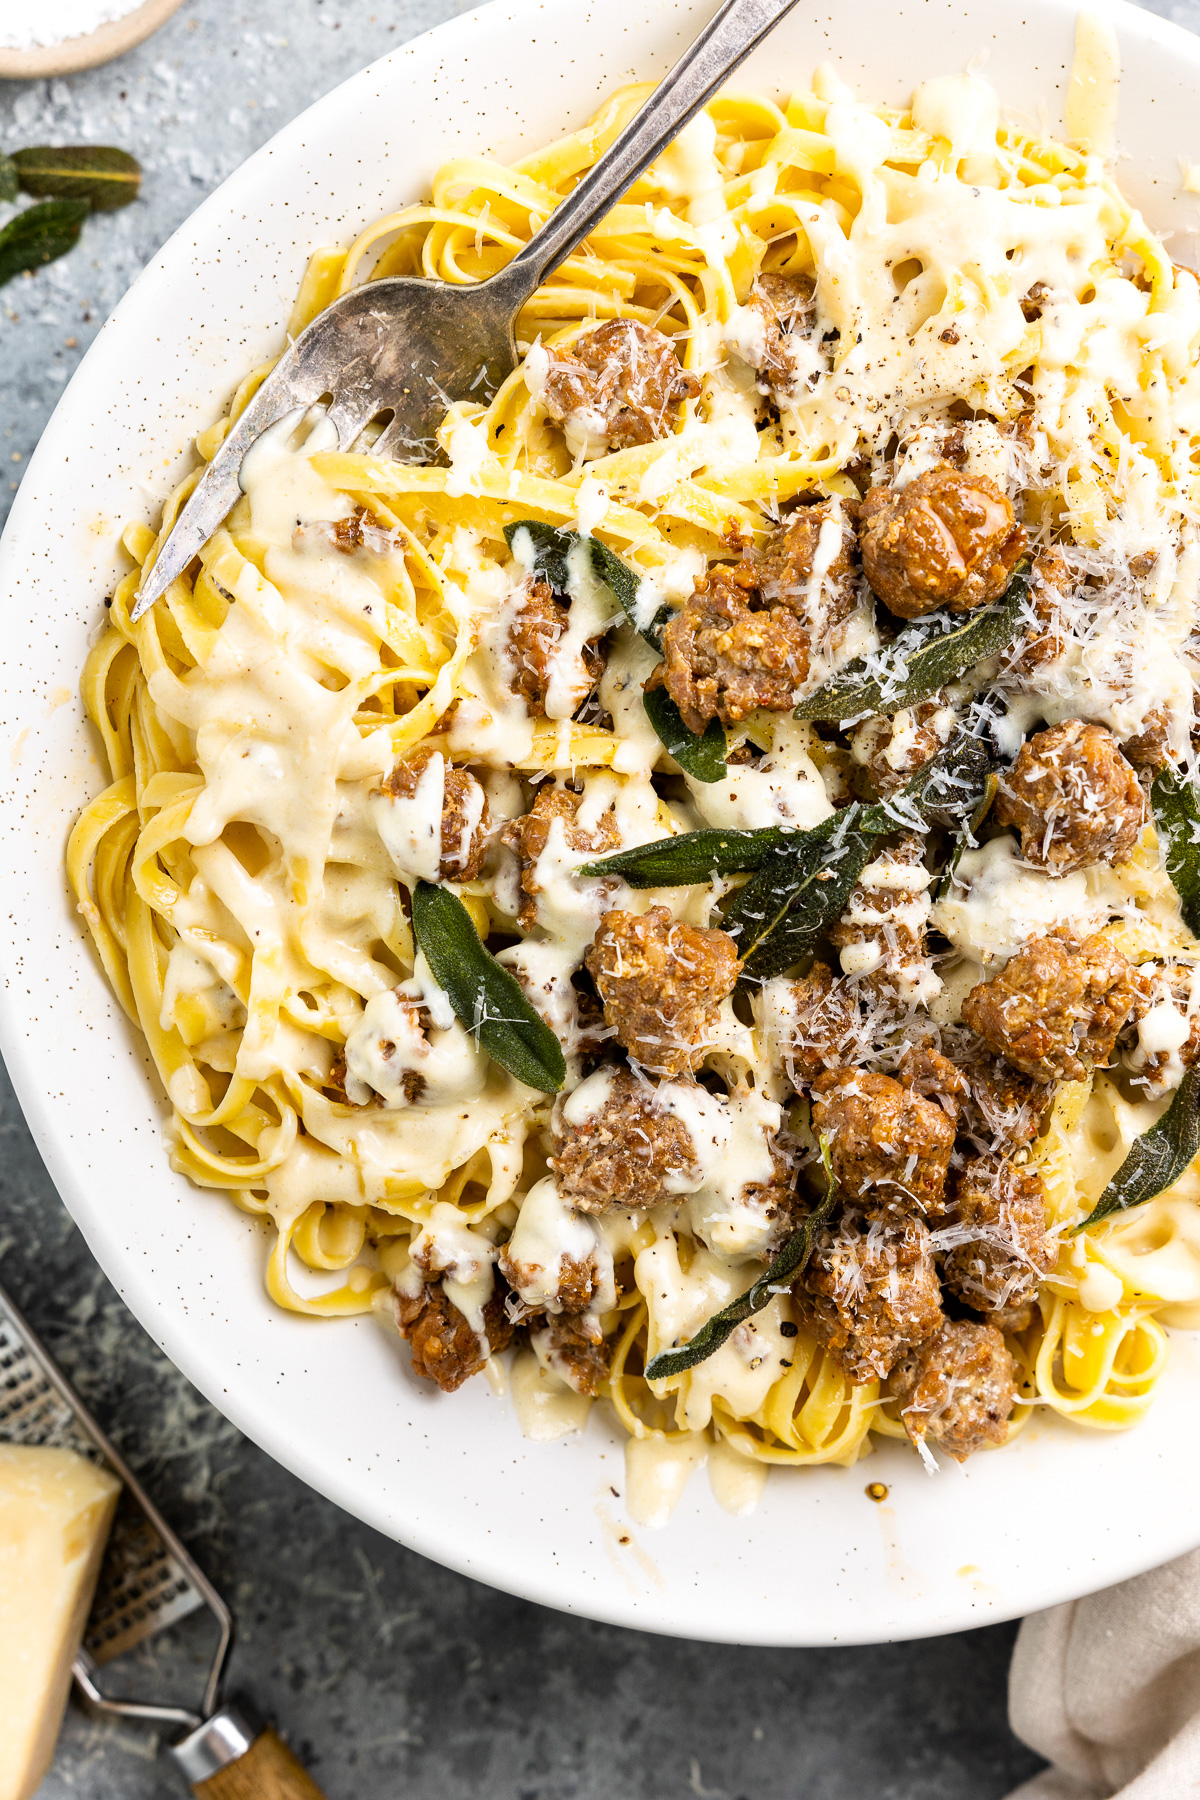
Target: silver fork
[411, 346]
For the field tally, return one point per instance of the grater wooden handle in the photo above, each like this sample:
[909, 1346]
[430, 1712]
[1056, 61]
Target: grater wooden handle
[266, 1771]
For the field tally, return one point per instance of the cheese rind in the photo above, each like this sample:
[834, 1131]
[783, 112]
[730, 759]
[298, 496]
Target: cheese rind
[56, 1510]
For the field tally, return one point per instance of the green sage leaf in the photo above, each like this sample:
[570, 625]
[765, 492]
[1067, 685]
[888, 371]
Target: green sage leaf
[693, 856]
[703, 758]
[99, 173]
[802, 886]
[552, 546]
[39, 235]
[1158, 1158]
[486, 998]
[1176, 805]
[8, 178]
[785, 1269]
[923, 659]
[805, 882]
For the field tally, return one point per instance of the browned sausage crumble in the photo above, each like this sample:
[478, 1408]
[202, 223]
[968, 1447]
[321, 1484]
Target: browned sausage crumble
[1001, 1249]
[621, 383]
[785, 306]
[947, 539]
[870, 1292]
[662, 984]
[745, 639]
[530, 834]
[889, 1147]
[957, 1389]
[1074, 798]
[534, 635]
[466, 825]
[444, 1347]
[1056, 1008]
[623, 1154]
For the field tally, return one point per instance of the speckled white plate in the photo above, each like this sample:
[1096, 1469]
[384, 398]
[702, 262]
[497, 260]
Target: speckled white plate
[1060, 1513]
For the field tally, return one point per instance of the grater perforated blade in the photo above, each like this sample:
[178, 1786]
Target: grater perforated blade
[147, 1580]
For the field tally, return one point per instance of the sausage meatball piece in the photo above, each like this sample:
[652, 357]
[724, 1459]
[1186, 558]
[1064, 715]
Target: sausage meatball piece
[1166, 1043]
[618, 385]
[812, 1023]
[464, 808]
[724, 656]
[947, 539]
[1055, 1009]
[623, 1154]
[1001, 1265]
[535, 633]
[870, 1293]
[957, 1389]
[530, 834]
[893, 749]
[812, 539]
[888, 1146]
[1150, 750]
[444, 1347]
[745, 638]
[1001, 1109]
[1074, 798]
[662, 984]
[783, 310]
[1044, 639]
[882, 933]
[565, 1344]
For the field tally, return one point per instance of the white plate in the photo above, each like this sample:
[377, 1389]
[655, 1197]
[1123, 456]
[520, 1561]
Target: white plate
[1060, 1513]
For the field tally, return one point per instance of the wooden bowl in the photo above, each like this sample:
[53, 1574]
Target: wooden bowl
[99, 46]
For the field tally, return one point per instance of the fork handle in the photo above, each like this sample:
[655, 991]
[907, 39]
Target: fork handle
[266, 1771]
[232, 1757]
[728, 38]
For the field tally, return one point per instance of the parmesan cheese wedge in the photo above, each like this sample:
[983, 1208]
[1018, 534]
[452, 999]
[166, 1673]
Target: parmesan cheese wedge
[56, 1510]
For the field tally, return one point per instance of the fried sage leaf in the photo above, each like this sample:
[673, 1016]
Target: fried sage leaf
[99, 173]
[486, 997]
[693, 856]
[8, 178]
[703, 758]
[802, 885]
[805, 882]
[786, 1268]
[1158, 1158]
[1176, 805]
[39, 235]
[922, 660]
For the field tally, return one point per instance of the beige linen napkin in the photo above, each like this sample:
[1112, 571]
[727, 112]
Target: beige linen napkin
[1108, 1688]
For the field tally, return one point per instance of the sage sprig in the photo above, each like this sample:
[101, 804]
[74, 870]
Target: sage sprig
[784, 1270]
[703, 758]
[1158, 1158]
[9, 184]
[99, 173]
[692, 857]
[39, 235]
[921, 661]
[1176, 806]
[486, 997]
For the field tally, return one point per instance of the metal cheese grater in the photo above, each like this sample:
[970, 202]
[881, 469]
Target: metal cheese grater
[147, 1580]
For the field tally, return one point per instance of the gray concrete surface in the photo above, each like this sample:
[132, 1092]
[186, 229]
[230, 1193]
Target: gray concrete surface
[392, 1676]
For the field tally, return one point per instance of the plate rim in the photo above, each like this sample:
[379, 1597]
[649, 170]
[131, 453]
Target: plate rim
[481, 1561]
